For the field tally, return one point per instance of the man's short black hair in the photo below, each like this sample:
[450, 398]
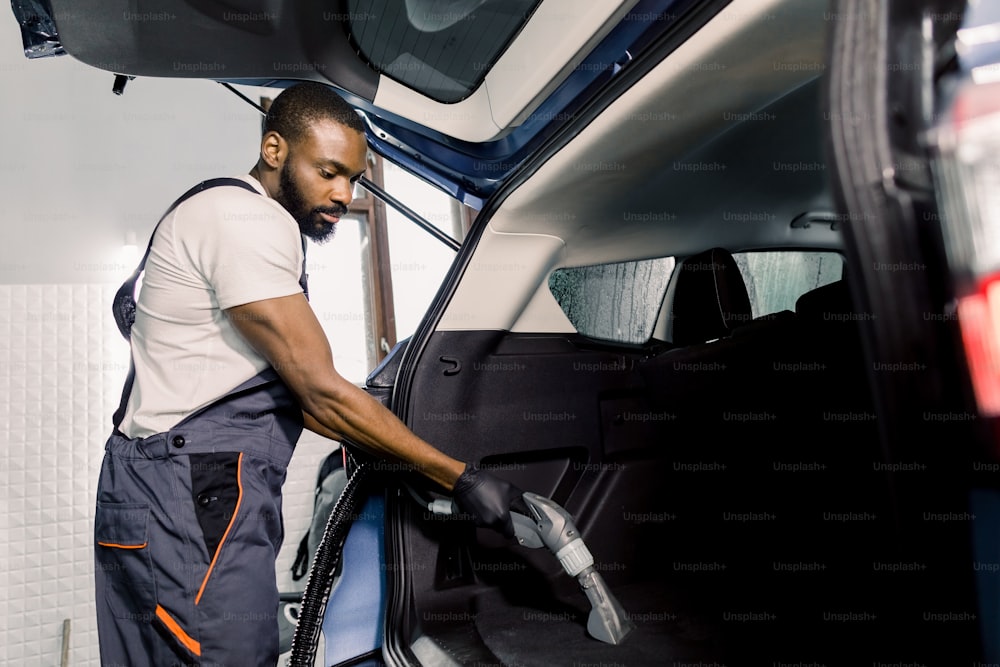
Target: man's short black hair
[297, 107]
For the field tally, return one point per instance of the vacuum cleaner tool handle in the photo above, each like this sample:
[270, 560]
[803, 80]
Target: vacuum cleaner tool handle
[552, 526]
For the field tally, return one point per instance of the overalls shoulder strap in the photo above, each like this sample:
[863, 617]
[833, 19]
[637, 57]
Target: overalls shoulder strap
[123, 306]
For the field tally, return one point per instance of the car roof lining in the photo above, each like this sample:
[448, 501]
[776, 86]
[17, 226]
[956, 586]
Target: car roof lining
[577, 194]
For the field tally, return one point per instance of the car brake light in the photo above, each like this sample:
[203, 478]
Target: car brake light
[979, 319]
[966, 165]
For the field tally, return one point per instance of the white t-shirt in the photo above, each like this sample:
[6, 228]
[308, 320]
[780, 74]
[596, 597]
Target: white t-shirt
[221, 248]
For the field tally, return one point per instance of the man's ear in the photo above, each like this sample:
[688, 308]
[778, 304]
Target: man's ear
[273, 149]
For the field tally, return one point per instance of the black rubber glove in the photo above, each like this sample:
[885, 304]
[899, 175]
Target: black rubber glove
[487, 499]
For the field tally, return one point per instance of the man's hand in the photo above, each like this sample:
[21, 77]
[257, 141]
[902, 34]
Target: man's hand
[487, 499]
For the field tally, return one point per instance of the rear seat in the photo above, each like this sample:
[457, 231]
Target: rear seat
[718, 378]
[829, 324]
[763, 397]
[709, 298]
[840, 412]
[779, 375]
[783, 403]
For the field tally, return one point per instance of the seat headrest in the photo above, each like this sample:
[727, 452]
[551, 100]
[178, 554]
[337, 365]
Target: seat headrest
[826, 302]
[710, 298]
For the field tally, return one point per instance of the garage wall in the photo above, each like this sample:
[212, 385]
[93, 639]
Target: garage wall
[61, 375]
[82, 168]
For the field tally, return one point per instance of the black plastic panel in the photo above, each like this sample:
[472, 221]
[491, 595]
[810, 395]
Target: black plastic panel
[210, 39]
[516, 394]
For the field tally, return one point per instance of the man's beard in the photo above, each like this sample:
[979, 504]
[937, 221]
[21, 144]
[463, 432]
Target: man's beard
[310, 223]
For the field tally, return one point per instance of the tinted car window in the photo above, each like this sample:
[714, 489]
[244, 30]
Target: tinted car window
[441, 49]
[776, 279]
[619, 302]
[616, 302]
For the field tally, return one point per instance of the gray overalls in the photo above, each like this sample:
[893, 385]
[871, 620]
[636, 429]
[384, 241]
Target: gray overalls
[187, 529]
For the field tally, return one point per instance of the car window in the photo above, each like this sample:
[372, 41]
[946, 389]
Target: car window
[775, 279]
[443, 50]
[617, 302]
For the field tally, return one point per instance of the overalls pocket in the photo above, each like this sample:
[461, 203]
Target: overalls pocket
[217, 493]
[121, 533]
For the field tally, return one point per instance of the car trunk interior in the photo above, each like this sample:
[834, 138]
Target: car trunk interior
[734, 492]
[724, 540]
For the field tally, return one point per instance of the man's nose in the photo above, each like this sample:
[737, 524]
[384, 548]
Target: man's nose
[342, 192]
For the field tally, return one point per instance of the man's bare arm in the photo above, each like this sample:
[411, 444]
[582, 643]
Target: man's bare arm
[310, 423]
[286, 332]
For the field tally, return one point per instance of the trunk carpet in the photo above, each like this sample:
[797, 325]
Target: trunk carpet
[548, 636]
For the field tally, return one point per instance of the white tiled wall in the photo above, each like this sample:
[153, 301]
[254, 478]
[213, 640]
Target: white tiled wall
[62, 368]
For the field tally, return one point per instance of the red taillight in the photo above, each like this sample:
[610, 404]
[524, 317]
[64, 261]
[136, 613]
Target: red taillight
[979, 319]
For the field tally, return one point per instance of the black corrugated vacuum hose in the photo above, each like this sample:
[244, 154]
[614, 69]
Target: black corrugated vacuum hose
[324, 565]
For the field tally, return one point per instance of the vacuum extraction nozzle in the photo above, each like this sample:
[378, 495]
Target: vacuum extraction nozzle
[551, 526]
